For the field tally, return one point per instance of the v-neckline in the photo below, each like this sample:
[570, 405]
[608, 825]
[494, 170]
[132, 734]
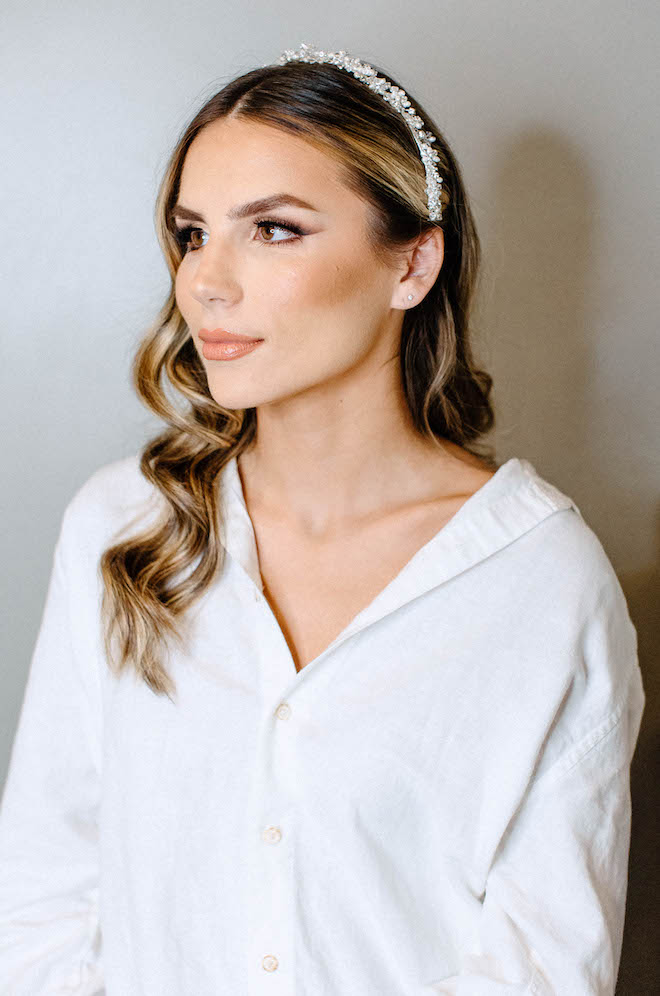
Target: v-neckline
[241, 540]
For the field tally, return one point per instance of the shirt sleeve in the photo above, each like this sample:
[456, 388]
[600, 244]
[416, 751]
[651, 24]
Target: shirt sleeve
[50, 942]
[553, 910]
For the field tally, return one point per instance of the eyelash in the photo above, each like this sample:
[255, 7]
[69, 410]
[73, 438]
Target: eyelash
[183, 234]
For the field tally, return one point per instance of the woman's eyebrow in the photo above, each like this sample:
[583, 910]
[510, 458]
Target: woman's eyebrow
[248, 209]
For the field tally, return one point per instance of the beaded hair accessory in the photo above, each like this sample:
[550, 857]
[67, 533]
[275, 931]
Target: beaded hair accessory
[394, 96]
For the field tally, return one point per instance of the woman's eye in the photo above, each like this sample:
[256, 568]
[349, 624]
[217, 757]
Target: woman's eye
[189, 238]
[267, 224]
[185, 240]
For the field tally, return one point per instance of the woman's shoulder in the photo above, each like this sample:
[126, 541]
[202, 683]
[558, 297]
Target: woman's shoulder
[113, 497]
[113, 487]
[583, 616]
[574, 579]
[565, 555]
[572, 544]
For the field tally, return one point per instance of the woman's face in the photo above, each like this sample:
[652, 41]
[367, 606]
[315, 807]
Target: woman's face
[322, 303]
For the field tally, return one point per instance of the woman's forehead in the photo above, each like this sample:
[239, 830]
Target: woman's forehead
[260, 160]
[255, 142]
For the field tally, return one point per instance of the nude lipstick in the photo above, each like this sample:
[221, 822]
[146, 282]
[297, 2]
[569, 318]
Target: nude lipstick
[219, 344]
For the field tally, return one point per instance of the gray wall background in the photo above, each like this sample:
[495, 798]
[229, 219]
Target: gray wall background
[552, 111]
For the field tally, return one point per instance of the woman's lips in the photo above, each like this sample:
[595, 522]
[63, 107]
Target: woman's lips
[221, 335]
[216, 350]
[222, 345]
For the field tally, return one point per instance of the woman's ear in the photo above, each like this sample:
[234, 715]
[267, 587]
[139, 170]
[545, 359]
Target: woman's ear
[422, 266]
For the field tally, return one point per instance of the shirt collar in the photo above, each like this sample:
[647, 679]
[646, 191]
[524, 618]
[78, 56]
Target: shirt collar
[514, 500]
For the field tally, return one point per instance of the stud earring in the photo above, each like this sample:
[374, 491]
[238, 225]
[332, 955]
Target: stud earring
[410, 297]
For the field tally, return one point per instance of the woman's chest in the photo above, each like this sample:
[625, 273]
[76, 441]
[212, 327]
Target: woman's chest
[316, 589]
[411, 729]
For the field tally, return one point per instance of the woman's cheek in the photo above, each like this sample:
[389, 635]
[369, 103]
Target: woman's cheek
[293, 287]
[315, 284]
[179, 293]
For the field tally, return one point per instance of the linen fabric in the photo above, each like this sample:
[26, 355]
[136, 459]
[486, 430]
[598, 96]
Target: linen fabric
[438, 803]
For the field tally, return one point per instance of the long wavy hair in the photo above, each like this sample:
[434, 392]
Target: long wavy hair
[152, 578]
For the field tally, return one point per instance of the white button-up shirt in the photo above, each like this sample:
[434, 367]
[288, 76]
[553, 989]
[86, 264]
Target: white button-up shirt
[437, 804]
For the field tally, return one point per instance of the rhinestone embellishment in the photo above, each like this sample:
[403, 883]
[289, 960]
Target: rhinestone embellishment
[394, 96]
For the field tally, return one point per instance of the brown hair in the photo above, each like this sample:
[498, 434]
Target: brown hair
[149, 579]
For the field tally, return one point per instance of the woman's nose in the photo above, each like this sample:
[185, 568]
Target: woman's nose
[214, 273]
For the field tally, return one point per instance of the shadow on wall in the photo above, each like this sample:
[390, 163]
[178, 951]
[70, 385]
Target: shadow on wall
[540, 302]
[640, 960]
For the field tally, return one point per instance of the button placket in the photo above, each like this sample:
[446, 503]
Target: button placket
[272, 893]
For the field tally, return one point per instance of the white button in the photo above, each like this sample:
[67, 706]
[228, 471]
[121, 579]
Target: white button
[272, 835]
[270, 963]
[283, 711]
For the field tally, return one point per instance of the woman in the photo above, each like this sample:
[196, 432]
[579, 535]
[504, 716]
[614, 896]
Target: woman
[324, 700]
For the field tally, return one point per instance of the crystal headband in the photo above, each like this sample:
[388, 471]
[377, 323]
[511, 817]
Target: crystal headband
[394, 96]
